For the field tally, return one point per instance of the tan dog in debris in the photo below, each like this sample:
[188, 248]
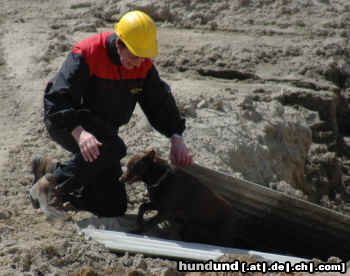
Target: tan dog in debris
[180, 197]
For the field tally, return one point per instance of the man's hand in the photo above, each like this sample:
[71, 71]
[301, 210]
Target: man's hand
[179, 154]
[88, 144]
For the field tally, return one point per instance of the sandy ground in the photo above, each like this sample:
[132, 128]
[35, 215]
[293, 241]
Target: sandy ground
[219, 58]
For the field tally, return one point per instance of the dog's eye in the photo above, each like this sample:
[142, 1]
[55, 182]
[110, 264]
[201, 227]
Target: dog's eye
[139, 167]
[135, 166]
[132, 167]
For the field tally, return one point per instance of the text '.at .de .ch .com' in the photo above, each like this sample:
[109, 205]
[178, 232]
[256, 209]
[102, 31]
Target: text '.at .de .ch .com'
[264, 267]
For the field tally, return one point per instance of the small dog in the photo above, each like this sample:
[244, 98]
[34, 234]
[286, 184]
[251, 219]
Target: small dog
[180, 197]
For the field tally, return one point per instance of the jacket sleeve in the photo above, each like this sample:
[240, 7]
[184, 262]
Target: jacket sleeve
[159, 105]
[63, 94]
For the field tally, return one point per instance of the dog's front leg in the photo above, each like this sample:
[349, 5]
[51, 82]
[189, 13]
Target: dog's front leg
[154, 220]
[144, 207]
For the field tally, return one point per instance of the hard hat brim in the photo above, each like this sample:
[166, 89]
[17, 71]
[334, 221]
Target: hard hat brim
[150, 52]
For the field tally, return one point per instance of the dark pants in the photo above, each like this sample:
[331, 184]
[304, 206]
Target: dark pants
[92, 186]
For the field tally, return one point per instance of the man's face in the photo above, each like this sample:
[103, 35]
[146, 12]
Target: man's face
[127, 59]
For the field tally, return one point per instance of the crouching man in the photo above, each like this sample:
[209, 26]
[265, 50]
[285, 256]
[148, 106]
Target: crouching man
[94, 93]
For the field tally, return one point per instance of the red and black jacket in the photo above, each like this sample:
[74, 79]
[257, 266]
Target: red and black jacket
[93, 80]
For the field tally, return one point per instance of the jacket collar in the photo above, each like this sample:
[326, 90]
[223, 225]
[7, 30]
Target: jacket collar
[112, 49]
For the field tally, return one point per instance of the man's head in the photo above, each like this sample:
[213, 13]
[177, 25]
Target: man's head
[137, 38]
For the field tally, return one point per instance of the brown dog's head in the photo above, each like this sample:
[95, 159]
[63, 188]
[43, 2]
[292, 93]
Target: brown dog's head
[137, 166]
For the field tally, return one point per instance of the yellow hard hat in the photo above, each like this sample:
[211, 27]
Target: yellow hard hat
[139, 33]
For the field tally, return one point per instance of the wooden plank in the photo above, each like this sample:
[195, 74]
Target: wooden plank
[277, 214]
[236, 189]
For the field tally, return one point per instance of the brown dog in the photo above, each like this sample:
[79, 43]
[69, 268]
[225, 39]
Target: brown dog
[180, 197]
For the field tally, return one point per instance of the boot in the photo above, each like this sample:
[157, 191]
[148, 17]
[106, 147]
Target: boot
[42, 193]
[42, 165]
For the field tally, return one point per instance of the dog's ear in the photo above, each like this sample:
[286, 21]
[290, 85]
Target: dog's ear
[151, 153]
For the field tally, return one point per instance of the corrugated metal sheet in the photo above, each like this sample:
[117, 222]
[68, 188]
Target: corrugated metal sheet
[120, 242]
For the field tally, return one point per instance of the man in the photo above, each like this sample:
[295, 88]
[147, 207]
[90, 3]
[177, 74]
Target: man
[94, 93]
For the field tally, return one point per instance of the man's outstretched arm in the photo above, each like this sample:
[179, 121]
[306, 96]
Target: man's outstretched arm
[160, 107]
